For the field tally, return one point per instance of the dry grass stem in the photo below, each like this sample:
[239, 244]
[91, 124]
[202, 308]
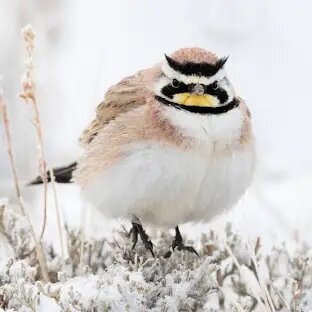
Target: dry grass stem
[83, 225]
[265, 306]
[42, 261]
[58, 217]
[6, 123]
[261, 282]
[7, 133]
[28, 93]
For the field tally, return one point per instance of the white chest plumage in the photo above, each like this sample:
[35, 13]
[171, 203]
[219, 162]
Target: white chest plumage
[166, 186]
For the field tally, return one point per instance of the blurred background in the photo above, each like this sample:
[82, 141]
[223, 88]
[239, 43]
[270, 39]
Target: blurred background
[82, 47]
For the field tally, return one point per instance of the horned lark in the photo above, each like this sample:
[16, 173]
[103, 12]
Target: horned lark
[169, 145]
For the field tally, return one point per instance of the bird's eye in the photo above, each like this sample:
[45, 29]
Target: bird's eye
[215, 85]
[175, 83]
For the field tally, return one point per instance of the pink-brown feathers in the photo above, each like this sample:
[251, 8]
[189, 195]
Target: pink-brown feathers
[126, 95]
[195, 55]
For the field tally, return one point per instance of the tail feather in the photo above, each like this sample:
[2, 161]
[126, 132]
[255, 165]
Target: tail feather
[62, 175]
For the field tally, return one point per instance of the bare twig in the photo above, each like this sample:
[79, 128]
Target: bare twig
[29, 95]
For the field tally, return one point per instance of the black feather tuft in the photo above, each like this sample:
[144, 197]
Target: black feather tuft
[199, 69]
[221, 62]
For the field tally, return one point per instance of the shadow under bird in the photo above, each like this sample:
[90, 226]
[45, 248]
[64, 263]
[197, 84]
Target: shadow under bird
[171, 144]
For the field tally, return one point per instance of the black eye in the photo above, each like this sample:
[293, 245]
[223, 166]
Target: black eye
[215, 85]
[175, 83]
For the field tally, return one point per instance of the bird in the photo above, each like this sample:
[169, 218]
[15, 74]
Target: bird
[171, 144]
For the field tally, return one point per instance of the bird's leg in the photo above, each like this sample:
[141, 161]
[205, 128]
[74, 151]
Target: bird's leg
[136, 230]
[178, 243]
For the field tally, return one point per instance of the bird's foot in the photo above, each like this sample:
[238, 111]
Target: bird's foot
[178, 243]
[137, 230]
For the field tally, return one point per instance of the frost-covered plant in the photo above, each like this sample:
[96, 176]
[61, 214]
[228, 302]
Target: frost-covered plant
[227, 276]
[16, 229]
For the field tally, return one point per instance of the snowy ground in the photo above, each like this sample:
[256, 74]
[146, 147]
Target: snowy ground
[230, 274]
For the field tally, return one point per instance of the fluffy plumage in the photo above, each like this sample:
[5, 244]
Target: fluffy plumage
[165, 165]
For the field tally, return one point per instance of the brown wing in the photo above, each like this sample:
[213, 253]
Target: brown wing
[126, 95]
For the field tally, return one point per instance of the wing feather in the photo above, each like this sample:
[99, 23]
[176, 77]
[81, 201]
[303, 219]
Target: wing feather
[126, 95]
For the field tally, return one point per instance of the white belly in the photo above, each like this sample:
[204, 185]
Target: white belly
[166, 186]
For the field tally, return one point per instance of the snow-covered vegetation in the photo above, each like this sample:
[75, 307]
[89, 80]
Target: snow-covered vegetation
[230, 274]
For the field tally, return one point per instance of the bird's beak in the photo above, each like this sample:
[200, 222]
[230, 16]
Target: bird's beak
[198, 89]
[196, 97]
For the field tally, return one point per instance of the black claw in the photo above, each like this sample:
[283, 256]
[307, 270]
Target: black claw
[149, 245]
[134, 233]
[189, 249]
[136, 230]
[178, 240]
[178, 243]
[168, 254]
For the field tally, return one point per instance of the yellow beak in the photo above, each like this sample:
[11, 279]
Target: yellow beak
[202, 100]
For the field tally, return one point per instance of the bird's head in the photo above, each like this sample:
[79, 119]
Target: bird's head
[194, 79]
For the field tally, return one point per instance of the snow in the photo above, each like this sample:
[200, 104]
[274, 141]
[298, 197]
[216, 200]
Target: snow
[47, 304]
